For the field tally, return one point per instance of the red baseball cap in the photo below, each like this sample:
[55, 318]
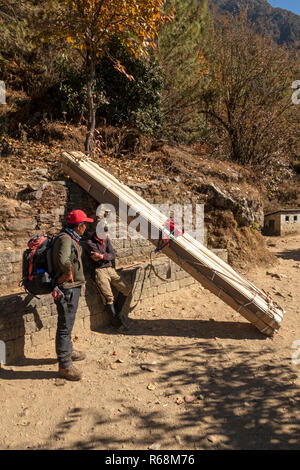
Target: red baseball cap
[77, 217]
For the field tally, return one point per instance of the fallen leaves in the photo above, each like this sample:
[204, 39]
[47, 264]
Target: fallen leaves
[186, 399]
[147, 367]
[179, 401]
[59, 382]
[189, 399]
[151, 386]
[126, 405]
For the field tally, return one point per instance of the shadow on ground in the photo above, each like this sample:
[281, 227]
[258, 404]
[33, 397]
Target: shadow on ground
[243, 400]
[7, 374]
[195, 329]
[289, 254]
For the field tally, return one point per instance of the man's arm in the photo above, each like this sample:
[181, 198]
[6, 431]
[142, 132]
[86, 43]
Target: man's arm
[92, 250]
[110, 252]
[88, 247]
[64, 259]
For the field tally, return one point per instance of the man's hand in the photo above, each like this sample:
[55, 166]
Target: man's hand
[65, 278]
[96, 256]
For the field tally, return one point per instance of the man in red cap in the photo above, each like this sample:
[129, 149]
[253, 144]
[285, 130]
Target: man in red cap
[68, 270]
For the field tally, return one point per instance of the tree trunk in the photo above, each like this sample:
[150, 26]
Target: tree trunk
[90, 75]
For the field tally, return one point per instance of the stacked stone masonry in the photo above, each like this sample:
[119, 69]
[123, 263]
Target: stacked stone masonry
[41, 207]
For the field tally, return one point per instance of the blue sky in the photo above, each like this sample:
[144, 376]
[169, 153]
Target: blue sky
[292, 5]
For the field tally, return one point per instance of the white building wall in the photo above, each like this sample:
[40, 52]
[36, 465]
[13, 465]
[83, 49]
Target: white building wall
[292, 225]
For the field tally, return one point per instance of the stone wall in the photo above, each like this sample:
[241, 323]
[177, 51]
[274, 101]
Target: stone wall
[41, 207]
[27, 321]
[28, 208]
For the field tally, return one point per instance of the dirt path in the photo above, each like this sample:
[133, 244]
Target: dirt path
[193, 374]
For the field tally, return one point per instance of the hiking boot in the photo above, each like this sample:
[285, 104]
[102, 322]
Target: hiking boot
[113, 316]
[70, 373]
[120, 302]
[78, 356]
[123, 330]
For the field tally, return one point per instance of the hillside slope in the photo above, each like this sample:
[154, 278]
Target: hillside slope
[282, 24]
[233, 196]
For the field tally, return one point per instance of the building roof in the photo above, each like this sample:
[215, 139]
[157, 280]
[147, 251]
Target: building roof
[284, 211]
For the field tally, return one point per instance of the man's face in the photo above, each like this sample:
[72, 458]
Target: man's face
[81, 228]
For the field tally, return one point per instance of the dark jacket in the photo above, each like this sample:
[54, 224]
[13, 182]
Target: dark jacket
[66, 256]
[104, 247]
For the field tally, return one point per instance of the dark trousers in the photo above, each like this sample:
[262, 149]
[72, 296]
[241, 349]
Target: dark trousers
[66, 310]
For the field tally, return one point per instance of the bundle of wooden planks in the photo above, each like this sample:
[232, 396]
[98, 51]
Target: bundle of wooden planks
[213, 273]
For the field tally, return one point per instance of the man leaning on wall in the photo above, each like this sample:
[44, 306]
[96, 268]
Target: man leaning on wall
[99, 249]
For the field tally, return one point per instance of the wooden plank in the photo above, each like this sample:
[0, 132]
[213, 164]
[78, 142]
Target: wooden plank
[206, 267]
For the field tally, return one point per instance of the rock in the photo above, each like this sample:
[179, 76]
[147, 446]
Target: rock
[147, 367]
[139, 185]
[247, 211]
[8, 207]
[163, 178]
[21, 224]
[9, 256]
[46, 218]
[178, 439]
[36, 186]
[215, 438]
[189, 399]
[35, 195]
[151, 386]
[40, 171]
[24, 423]
[59, 382]
[179, 401]
[155, 446]
[276, 276]
[126, 405]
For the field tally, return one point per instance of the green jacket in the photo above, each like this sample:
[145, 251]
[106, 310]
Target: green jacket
[67, 259]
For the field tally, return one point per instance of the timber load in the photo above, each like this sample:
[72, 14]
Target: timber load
[213, 273]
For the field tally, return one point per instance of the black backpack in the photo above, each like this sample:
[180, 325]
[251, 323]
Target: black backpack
[37, 269]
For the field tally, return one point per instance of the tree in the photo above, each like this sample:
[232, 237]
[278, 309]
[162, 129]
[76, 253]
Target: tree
[179, 45]
[246, 95]
[89, 25]
[135, 103]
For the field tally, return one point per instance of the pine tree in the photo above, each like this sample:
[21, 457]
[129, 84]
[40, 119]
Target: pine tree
[179, 46]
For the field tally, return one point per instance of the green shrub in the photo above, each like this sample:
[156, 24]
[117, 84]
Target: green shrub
[136, 102]
[120, 101]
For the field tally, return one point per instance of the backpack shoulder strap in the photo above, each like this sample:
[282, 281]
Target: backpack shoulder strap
[61, 234]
